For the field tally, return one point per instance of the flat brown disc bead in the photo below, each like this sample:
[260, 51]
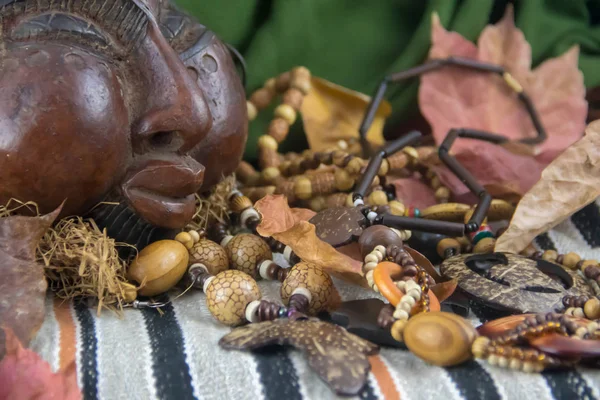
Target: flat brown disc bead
[339, 225]
[209, 253]
[228, 295]
[318, 282]
[440, 338]
[246, 251]
[377, 235]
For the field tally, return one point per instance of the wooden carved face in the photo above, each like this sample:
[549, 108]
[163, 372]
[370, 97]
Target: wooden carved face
[96, 104]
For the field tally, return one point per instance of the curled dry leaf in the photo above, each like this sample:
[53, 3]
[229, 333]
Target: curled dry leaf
[331, 113]
[568, 184]
[457, 98]
[24, 375]
[23, 283]
[290, 227]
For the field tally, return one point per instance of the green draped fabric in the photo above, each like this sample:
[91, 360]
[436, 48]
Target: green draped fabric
[356, 42]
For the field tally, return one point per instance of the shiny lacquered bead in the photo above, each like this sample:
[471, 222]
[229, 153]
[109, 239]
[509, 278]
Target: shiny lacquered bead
[246, 251]
[211, 255]
[440, 338]
[228, 294]
[312, 277]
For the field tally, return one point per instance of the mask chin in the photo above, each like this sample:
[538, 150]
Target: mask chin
[124, 226]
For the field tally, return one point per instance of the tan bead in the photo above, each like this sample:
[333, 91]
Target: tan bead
[442, 193]
[286, 112]
[398, 330]
[282, 83]
[186, 239]
[587, 263]
[270, 174]
[317, 203]
[246, 251]
[300, 79]
[343, 181]
[397, 208]
[440, 338]
[480, 346]
[412, 153]
[252, 111]
[592, 308]
[469, 214]
[294, 98]
[228, 295]
[318, 282]
[129, 292]
[384, 168]
[377, 198]
[303, 188]
[447, 243]
[211, 254]
[270, 85]
[267, 142]
[354, 166]
[435, 181]
[240, 203]
[570, 260]
[550, 255]
[349, 201]
[485, 245]
[279, 129]
[159, 266]
[262, 98]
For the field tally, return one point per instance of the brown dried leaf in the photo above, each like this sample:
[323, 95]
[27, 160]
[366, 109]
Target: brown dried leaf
[568, 184]
[277, 215]
[331, 113]
[445, 289]
[23, 284]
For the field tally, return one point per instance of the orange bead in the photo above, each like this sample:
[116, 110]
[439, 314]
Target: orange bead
[382, 275]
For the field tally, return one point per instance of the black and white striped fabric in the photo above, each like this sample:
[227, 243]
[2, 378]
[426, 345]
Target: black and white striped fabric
[145, 355]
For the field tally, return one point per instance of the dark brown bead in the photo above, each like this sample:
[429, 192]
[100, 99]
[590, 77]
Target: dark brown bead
[252, 223]
[392, 251]
[217, 232]
[409, 271]
[592, 272]
[199, 283]
[537, 254]
[268, 311]
[560, 258]
[273, 271]
[385, 319]
[282, 274]
[347, 160]
[294, 98]
[299, 303]
[377, 235]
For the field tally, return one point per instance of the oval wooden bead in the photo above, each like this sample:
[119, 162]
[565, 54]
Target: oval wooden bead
[318, 282]
[246, 251]
[592, 308]
[228, 294]
[566, 347]
[377, 235]
[161, 265]
[440, 338]
[212, 255]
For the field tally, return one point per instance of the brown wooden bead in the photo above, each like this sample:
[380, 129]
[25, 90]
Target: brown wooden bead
[324, 295]
[550, 255]
[240, 203]
[228, 294]
[257, 193]
[160, 265]
[343, 181]
[268, 158]
[440, 338]
[245, 172]
[212, 255]
[246, 251]
[322, 183]
[377, 235]
[336, 200]
[317, 203]
[570, 260]
[586, 263]
[485, 245]
[300, 79]
[592, 308]
[398, 161]
[294, 98]
[355, 166]
[262, 98]
[282, 83]
[279, 129]
[448, 244]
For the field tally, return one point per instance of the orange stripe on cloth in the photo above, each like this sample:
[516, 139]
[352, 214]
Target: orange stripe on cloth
[67, 343]
[384, 379]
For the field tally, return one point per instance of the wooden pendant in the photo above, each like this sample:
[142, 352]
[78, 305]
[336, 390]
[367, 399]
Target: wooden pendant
[566, 347]
[515, 283]
[440, 338]
[338, 357]
[339, 226]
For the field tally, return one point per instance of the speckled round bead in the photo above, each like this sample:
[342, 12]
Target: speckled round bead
[211, 255]
[246, 251]
[228, 295]
[318, 282]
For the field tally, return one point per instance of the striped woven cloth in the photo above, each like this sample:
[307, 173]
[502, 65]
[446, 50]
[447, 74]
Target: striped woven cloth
[145, 355]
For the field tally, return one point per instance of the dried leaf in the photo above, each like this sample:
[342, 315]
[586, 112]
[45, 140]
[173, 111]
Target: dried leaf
[340, 358]
[568, 184]
[23, 284]
[277, 215]
[444, 290]
[24, 375]
[413, 192]
[458, 98]
[331, 113]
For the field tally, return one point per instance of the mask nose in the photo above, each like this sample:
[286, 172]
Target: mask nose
[175, 117]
